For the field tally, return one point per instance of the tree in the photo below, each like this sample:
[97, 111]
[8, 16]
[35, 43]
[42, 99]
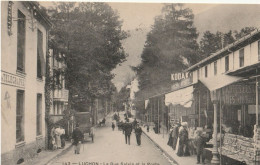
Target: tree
[170, 47]
[90, 35]
[211, 43]
[243, 32]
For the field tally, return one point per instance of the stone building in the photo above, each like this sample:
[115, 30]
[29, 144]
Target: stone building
[24, 30]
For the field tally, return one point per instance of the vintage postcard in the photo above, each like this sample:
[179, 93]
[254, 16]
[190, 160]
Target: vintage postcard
[130, 83]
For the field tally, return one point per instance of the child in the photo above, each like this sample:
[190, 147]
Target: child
[200, 144]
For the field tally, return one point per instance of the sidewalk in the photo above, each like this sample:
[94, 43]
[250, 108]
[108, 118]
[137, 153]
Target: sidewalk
[46, 156]
[161, 142]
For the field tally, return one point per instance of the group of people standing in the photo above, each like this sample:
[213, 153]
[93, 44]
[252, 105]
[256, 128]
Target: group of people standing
[187, 141]
[58, 137]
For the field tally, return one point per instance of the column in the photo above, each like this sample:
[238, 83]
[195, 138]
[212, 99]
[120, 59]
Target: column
[215, 159]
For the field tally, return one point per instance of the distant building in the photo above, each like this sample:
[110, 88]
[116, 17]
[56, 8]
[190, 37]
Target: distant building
[133, 88]
[59, 93]
[24, 32]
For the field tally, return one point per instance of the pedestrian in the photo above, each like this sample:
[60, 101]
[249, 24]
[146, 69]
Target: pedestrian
[200, 142]
[92, 133]
[113, 126]
[127, 130]
[134, 123]
[138, 133]
[147, 128]
[53, 141]
[57, 137]
[175, 135]
[62, 137]
[183, 149]
[170, 140]
[77, 137]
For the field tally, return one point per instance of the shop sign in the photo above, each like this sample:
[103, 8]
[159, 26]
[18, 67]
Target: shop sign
[238, 94]
[12, 79]
[180, 76]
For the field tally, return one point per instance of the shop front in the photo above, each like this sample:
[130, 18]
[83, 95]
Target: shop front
[180, 104]
[235, 112]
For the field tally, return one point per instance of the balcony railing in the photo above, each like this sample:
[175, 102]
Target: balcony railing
[61, 95]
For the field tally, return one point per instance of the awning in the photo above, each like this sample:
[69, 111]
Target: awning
[182, 97]
[219, 81]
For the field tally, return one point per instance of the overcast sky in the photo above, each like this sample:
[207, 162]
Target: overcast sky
[141, 15]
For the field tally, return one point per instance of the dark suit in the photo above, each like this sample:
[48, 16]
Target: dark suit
[200, 144]
[138, 133]
[128, 131]
[77, 136]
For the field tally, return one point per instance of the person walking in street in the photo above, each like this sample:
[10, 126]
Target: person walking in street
[183, 149]
[127, 131]
[147, 128]
[77, 137]
[138, 133]
[200, 142]
[113, 126]
[134, 123]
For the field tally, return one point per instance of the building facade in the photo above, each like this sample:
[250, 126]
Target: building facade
[231, 77]
[24, 32]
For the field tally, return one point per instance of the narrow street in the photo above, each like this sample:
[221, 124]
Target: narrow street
[110, 148]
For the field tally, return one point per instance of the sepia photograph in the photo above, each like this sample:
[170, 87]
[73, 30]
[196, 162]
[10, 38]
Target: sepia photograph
[130, 82]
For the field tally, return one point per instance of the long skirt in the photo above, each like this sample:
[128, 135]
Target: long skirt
[177, 145]
[174, 143]
[58, 141]
[170, 141]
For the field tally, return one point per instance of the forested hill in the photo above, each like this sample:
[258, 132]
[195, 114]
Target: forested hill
[227, 17]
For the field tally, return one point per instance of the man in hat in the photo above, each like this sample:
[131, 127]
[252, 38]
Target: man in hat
[127, 130]
[77, 137]
[200, 142]
[138, 133]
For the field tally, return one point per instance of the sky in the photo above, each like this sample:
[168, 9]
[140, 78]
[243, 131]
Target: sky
[141, 16]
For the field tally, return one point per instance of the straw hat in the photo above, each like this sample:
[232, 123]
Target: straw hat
[184, 124]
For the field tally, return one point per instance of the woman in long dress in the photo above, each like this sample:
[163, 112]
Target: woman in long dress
[57, 137]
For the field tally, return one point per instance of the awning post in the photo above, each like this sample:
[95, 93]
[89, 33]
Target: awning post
[256, 106]
[215, 159]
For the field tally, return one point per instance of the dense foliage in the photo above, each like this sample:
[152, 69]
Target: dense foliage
[211, 43]
[90, 35]
[170, 47]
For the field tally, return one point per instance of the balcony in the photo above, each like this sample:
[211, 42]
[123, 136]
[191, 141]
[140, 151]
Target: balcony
[61, 95]
[56, 118]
